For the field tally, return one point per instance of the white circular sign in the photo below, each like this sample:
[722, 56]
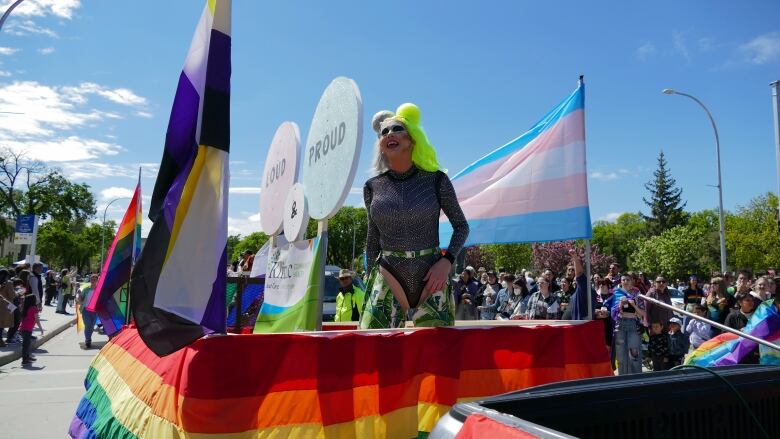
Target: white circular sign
[279, 175]
[296, 213]
[332, 149]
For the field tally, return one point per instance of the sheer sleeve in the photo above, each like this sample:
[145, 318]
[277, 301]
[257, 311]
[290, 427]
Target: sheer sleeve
[451, 208]
[372, 236]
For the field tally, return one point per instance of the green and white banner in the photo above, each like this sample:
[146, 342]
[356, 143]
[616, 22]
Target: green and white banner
[292, 287]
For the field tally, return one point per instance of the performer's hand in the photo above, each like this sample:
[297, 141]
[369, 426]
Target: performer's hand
[436, 279]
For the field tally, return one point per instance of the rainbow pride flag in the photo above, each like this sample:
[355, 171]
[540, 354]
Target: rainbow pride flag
[125, 248]
[349, 384]
[534, 188]
[728, 349]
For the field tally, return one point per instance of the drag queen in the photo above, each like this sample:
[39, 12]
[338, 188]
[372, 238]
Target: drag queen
[407, 271]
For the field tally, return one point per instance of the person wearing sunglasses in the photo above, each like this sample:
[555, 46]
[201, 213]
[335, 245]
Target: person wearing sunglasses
[407, 271]
[658, 314]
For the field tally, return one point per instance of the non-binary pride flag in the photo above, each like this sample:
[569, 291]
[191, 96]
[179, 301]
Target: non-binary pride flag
[532, 189]
[177, 291]
[116, 269]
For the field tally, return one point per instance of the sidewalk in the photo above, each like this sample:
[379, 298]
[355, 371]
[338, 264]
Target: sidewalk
[52, 323]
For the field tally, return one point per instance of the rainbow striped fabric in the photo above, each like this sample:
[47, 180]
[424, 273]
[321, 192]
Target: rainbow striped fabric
[125, 247]
[336, 385]
[178, 283]
[728, 349]
[532, 189]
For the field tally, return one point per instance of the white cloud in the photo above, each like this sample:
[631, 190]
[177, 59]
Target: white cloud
[43, 8]
[144, 114]
[602, 176]
[681, 46]
[245, 190]
[91, 170]
[762, 49]
[645, 51]
[5, 73]
[8, 50]
[356, 191]
[123, 96]
[113, 192]
[244, 226]
[611, 216]
[28, 27]
[59, 149]
[46, 50]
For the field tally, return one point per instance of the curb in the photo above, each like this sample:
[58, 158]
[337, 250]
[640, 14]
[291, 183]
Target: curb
[15, 355]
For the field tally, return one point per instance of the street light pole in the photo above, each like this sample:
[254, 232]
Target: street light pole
[103, 234]
[721, 221]
[776, 121]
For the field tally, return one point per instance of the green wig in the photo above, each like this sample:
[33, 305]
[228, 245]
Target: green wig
[423, 154]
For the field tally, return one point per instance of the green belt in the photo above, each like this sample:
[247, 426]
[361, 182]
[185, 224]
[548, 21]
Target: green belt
[411, 254]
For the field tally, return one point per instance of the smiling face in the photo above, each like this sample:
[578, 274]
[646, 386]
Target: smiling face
[395, 143]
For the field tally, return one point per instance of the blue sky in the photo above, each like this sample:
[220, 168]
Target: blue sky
[96, 79]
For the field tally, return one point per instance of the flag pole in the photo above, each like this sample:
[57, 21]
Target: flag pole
[128, 317]
[589, 289]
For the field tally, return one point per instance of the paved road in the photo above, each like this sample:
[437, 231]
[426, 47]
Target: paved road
[39, 402]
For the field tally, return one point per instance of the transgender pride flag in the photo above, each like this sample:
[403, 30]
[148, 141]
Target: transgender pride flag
[532, 189]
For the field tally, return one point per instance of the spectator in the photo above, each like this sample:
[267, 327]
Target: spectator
[604, 303]
[521, 305]
[744, 282]
[658, 346]
[36, 282]
[349, 301]
[582, 291]
[50, 288]
[719, 302]
[627, 312]
[738, 318]
[466, 284]
[678, 343]
[88, 317]
[614, 275]
[564, 297]
[771, 287]
[29, 313]
[530, 281]
[502, 303]
[483, 279]
[692, 294]
[761, 288]
[25, 277]
[63, 296]
[543, 304]
[549, 276]
[7, 305]
[656, 313]
[492, 285]
[641, 282]
[16, 284]
[771, 272]
[698, 331]
[517, 291]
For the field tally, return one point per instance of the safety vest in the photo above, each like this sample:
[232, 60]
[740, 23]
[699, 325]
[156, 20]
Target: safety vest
[344, 304]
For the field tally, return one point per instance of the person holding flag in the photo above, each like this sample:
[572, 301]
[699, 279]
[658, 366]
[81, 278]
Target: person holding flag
[404, 201]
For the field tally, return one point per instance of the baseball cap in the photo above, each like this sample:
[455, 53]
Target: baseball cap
[344, 273]
[675, 320]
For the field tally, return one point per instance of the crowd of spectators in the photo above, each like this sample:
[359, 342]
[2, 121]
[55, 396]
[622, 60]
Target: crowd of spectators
[639, 335]
[24, 290]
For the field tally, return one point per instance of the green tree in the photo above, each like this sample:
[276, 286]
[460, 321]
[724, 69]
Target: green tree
[512, 257]
[665, 203]
[615, 238]
[676, 253]
[348, 220]
[64, 244]
[252, 241]
[232, 240]
[752, 239]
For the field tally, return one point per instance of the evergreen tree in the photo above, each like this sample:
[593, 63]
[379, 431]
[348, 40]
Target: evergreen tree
[666, 206]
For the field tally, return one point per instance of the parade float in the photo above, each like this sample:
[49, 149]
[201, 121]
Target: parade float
[175, 372]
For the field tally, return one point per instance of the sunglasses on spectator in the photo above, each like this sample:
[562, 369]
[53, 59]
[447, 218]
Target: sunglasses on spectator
[660, 281]
[395, 129]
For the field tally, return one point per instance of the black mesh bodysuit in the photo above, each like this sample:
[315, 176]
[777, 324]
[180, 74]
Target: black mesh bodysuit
[403, 215]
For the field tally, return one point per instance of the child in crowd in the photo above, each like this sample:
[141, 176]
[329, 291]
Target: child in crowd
[678, 343]
[699, 331]
[658, 346]
[487, 311]
[29, 314]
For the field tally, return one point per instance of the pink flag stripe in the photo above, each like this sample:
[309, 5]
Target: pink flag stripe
[542, 196]
[568, 130]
